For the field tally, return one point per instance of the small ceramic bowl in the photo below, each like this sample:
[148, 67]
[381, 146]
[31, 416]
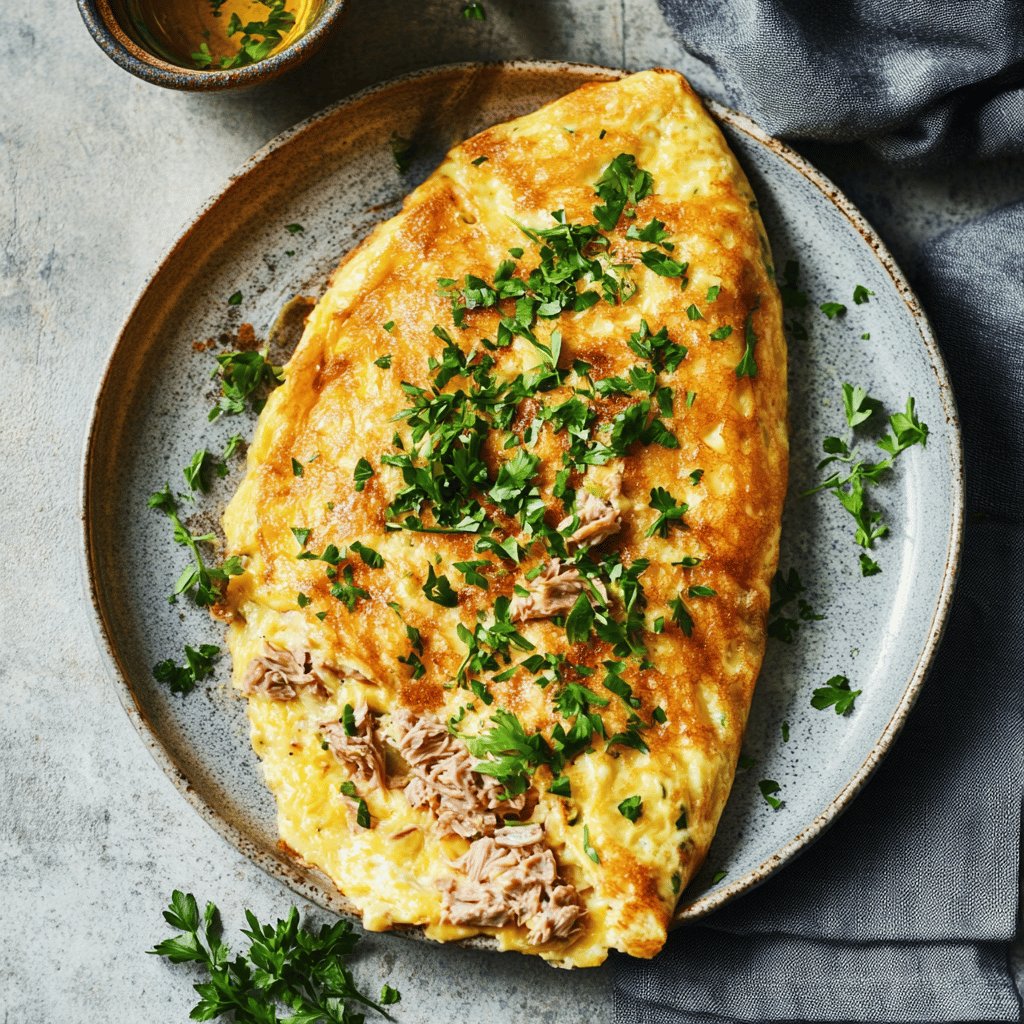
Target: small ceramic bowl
[120, 42]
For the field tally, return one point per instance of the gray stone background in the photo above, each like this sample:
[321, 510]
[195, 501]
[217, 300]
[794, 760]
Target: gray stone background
[97, 173]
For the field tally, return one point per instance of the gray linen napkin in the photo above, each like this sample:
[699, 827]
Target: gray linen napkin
[904, 910]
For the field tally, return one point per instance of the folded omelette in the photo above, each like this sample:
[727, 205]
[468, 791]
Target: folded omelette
[509, 526]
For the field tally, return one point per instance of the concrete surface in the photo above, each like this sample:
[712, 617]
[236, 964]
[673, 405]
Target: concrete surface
[97, 172]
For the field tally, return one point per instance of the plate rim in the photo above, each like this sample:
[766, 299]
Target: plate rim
[303, 880]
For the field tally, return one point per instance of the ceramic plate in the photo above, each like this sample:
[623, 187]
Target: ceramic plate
[334, 175]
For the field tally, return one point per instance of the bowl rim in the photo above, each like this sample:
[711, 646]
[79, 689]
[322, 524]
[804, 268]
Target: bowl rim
[309, 883]
[105, 29]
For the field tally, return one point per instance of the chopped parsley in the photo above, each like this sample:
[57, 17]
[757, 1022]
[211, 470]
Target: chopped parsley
[621, 186]
[631, 808]
[861, 294]
[769, 787]
[654, 232]
[669, 511]
[370, 557]
[345, 590]
[474, 12]
[294, 229]
[721, 333]
[836, 693]
[402, 152]
[868, 566]
[362, 473]
[833, 309]
[244, 378]
[681, 615]
[747, 366]
[301, 534]
[588, 848]
[787, 588]
[439, 590]
[183, 678]
[560, 786]
[384, 362]
[235, 299]
[662, 265]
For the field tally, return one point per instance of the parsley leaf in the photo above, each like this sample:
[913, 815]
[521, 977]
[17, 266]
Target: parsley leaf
[833, 309]
[670, 511]
[769, 787]
[588, 849]
[402, 152]
[788, 588]
[835, 693]
[868, 566]
[681, 615]
[372, 558]
[857, 405]
[183, 678]
[579, 621]
[509, 753]
[662, 265]
[653, 232]
[861, 294]
[439, 590]
[907, 430]
[747, 367]
[362, 473]
[632, 807]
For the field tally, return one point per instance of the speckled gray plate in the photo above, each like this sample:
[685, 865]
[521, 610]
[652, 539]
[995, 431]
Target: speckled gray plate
[335, 176]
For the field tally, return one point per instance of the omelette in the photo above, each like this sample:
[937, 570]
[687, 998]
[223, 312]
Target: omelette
[508, 528]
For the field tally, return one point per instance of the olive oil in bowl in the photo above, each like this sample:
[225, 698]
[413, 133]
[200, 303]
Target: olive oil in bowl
[217, 34]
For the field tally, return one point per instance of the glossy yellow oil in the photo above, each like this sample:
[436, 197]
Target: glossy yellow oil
[176, 30]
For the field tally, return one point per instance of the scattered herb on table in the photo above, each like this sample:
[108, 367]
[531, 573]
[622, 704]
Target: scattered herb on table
[285, 966]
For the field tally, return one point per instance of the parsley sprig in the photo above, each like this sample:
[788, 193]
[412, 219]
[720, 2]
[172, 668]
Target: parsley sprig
[285, 965]
[850, 487]
[199, 580]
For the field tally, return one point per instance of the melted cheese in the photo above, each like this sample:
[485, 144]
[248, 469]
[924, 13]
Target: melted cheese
[336, 407]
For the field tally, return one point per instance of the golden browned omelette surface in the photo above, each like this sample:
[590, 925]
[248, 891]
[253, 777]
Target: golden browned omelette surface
[509, 526]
